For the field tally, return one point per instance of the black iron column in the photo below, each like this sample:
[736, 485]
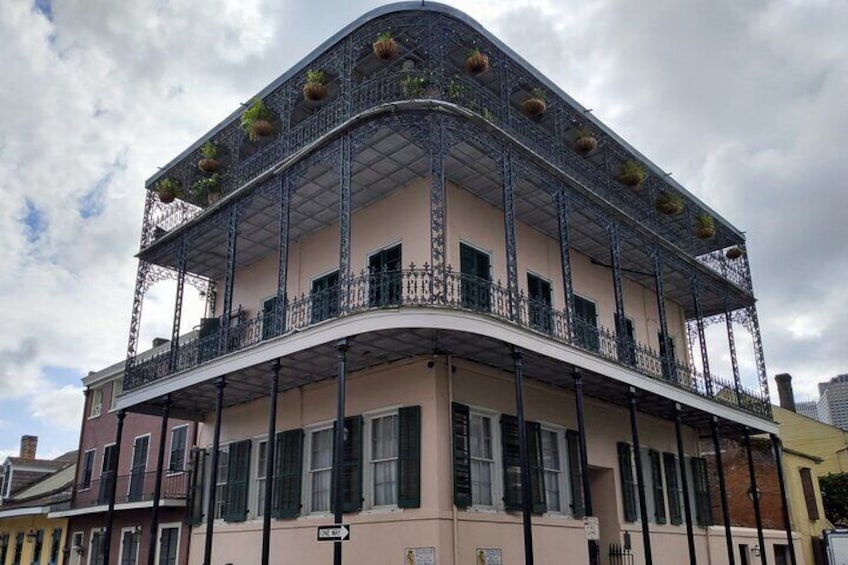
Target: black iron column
[640, 478]
[787, 525]
[702, 337]
[665, 344]
[437, 207]
[577, 375]
[182, 257]
[213, 493]
[113, 483]
[345, 167]
[562, 207]
[508, 181]
[270, 454]
[618, 290]
[524, 455]
[283, 263]
[734, 362]
[141, 278]
[684, 482]
[722, 489]
[338, 451]
[157, 486]
[232, 236]
[754, 493]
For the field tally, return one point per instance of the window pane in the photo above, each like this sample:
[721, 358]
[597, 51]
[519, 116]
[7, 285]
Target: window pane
[321, 491]
[481, 482]
[384, 439]
[481, 437]
[322, 449]
[385, 483]
[552, 491]
[262, 459]
[550, 450]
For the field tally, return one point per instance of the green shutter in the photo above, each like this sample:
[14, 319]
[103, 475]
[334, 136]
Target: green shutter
[656, 476]
[461, 420]
[703, 505]
[288, 473]
[534, 451]
[409, 457]
[670, 464]
[511, 463]
[198, 475]
[575, 471]
[628, 489]
[352, 465]
[238, 475]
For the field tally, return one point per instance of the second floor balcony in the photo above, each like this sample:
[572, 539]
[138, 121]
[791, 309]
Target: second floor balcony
[134, 490]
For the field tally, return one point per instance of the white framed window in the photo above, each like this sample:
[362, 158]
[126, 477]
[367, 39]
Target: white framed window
[97, 550]
[381, 456]
[221, 480]
[128, 552]
[177, 455]
[259, 474]
[484, 458]
[555, 470]
[319, 465]
[96, 406]
[117, 389]
[167, 551]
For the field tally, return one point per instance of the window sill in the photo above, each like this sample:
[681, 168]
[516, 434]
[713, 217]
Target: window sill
[381, 510]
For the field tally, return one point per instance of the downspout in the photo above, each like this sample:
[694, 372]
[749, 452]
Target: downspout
[454, 515]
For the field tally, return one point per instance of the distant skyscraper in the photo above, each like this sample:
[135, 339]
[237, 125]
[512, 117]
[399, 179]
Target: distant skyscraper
[833, 401]
[808, 409]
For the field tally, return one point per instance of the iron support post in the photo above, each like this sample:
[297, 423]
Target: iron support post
[684, 482]
[437, 207]
[640, 478]
[345, 167]
[562, 207]
[618, 291]
[182, 257]
[577, 376]
[702, 336]
[157, 485]
[232, 237]
[220, 384]
[787, 524]
[508, 182]
[524, 455]
[113, 484]
[665, 344]
[338, 451]
[734, 362]
[722, 489]
[283, 263]
[754, 493]
[270, 455]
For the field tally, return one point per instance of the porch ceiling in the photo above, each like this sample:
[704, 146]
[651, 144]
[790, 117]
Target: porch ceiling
[377, 348]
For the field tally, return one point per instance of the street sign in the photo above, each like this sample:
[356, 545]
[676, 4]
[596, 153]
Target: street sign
[336, 532]
[592, 528]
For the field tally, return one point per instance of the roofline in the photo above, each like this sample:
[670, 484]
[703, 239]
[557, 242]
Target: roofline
[436, 7]
[109, 373]
[804, 455]
[25, 511]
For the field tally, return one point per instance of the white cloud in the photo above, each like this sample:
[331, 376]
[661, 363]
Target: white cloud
[61, 407]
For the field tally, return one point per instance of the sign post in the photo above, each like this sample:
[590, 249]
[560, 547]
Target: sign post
[334, 532]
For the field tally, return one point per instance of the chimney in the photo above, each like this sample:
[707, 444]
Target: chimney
[784, 391]
[157, 341]
[29, 445]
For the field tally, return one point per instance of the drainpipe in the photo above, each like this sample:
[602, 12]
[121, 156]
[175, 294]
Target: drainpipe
[454, 515]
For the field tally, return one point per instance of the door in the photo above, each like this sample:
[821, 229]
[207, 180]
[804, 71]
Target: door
[384, 271]
[139, 467]
[539, 305]
[669, 365]
[586, 324]
[475, 278]
[168, 545]
[325, 297]
[627, 343]
[107, 474]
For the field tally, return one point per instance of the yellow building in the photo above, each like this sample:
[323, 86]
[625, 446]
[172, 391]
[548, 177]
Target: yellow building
[27, 536]
[812, 437]
[806, 509]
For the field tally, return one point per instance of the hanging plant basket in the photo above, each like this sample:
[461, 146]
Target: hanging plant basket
[631, 173]
[168, 190]
[314, 89]
[734, 252]
[206, 190]
[535, 105]
[256, 121]
[669, 204]
[385, 48]
[209, 164]
[476, 63]
[704, 226]
[585, 142]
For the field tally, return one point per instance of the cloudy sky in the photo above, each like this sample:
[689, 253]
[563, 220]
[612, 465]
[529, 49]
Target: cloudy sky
[744, 102]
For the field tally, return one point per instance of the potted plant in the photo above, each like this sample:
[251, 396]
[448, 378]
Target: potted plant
[476, 62]
[209, 164]
[669, 204]
[704, 226]
[735, 252]
[456, 89]
[385, 48]
[488, 115]
[631, 173]
[256, 120]
[168, 190]
[535, 104]
[314, 89]
[413, 85]
[585, 142]
[207, 189]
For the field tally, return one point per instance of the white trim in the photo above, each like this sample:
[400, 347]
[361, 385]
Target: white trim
[394, 243]
[483, 250]
[103, 460]
[306, 482]
[322, 275]
[367, 465]
[131, 529]
[565, 501]
[26, 511]
[170, 502]
[162, 527]
[435, 318]
[75, 557]
[91, 407]
[132, 459]
[253, 489]
[90, 553]
[169, 471]
[93, 467]
[497, 489]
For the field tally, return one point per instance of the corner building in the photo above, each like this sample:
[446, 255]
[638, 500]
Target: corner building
[425, 247]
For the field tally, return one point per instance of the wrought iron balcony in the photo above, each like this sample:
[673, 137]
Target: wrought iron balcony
[135, 487]
[446, 289]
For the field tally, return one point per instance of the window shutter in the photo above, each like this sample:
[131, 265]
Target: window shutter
[656, 475]
[703, 506]
[809, 494]
[534, 449]
[194, 504]
[578, 506]
[461, 420]
[238, 474]
[511, 463]
[409, 457]
[288, 469]
[352, 465]
[670, 464]
[628, 489]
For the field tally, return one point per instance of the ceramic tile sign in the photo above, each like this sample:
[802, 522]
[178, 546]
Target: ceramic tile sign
[489, 556]
[419, 556]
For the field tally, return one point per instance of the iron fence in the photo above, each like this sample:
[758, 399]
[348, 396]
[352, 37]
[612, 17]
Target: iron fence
[135, 487]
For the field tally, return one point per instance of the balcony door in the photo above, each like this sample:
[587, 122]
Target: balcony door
[586, 333]
[384, 271]
[107, 474]
[668, 373]
[539, 305]
[325, 297]
[475, 283]
[139, 467]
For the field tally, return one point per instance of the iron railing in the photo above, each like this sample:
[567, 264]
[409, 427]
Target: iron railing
[135, 487]
[436, 288]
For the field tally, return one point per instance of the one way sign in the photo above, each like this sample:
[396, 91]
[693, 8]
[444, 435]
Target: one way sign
[336, 532]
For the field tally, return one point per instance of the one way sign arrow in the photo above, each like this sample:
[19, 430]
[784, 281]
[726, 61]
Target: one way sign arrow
[336, 532]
